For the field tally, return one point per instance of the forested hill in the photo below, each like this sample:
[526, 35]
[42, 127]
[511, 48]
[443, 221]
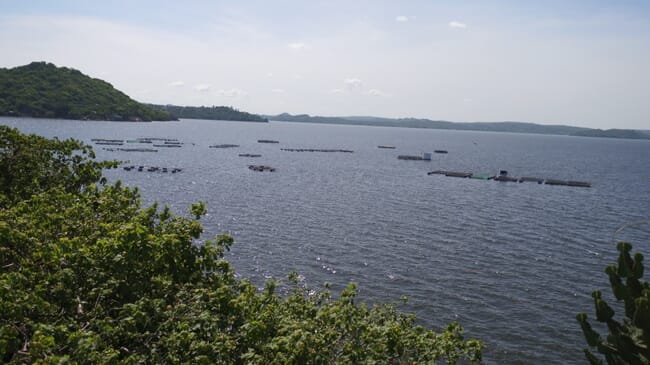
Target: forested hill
[514, 127]
[210, 113]
[43, 90]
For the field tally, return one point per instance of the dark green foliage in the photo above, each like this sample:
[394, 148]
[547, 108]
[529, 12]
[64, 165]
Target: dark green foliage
[627, 342]
[30, 163]
[210, 113]
[42, 90]
[89, 276]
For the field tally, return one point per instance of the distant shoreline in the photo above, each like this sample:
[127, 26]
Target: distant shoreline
[506, 127]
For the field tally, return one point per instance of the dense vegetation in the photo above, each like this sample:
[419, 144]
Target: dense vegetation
[514, 127]
[628, 343]
[210, 113]
[87, 275]
[42, 90]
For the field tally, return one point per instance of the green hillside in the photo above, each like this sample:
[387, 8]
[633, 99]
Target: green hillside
[210, 113]
[42, 90]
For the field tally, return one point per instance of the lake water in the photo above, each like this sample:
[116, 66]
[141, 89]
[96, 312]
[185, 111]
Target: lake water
[512, 263]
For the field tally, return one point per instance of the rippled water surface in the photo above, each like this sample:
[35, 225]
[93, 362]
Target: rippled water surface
[512, 263]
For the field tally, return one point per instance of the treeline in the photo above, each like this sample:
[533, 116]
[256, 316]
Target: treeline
[210, 113]
[510, 127]
[42, 90]
[88, 275]
[613, 133]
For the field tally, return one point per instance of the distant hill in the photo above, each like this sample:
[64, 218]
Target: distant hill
[512, 127]
[614, 133]
[210, 113]
[42, 90]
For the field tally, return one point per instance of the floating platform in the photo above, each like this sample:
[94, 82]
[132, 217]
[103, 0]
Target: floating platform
[386, 147]
[315, 150]
[555, 182]
[155, 139]
[267, 141]
[224, 146]
[137, 150]
[458, 174]
[141, 168]
[106, 143]
[482, 176]
[531, 179]
[106, 140]
[581, 184]
[450, 173]
[167, 145]
[249, 155]
[440, 151]
[410, 157]
[261, 168]
[504, 177]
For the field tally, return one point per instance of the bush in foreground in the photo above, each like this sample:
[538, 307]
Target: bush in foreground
[628, 342]
[89, 276]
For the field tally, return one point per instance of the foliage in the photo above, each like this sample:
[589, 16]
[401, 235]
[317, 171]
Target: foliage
[42, 90]
[89, 276]
[627, 342]
[30, 163]
[210, 113]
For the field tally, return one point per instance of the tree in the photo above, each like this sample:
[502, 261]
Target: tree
[30, 164]
[87, 276]
[628, 342]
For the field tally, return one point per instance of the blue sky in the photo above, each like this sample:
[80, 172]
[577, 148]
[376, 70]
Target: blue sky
[553, 62]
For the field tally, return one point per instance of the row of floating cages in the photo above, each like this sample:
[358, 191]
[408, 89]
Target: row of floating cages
[426, 156]
[504, 177]
[130, 149]
[261, 168]
[316, 150]
[142, 168]
[158, 142]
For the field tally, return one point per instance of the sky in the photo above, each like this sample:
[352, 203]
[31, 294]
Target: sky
[582, 63]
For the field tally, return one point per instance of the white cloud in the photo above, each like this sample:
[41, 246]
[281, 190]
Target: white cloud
[277, 91]
[401, 18]
[202, 87]
[376, 92]
[352, 83]
[232, 93]
[296, 46]
[177, 83]
[456, 24]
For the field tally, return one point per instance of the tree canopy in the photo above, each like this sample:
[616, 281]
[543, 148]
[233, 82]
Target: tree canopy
[88, 275]
[42, 90]
[210, 113]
